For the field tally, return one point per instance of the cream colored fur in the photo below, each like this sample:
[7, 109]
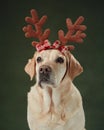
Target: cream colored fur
[58, 106]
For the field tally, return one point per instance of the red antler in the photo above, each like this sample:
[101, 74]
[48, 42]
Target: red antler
[74, 33]
[37, 32]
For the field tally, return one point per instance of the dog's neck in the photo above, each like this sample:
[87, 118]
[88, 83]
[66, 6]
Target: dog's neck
[52, 98]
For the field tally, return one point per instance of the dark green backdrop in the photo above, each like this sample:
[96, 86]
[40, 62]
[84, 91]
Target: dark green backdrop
[16, 49]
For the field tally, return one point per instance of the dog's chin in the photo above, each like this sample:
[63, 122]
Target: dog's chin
[46, 83]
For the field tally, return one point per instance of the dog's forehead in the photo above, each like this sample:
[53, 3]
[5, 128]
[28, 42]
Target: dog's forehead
[50, 54]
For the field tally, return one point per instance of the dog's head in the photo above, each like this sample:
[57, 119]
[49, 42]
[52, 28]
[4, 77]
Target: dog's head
[51, 67]
[53, 62]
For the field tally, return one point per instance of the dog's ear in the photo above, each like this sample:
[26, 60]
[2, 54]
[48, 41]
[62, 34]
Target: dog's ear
[30, 68]
[74, 67]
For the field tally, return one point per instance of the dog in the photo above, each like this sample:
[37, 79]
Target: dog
[54, 103]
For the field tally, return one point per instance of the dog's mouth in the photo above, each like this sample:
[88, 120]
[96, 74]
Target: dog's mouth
[43, 80]
[45, 76]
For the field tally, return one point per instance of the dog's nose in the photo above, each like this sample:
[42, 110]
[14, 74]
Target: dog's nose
[45, 69]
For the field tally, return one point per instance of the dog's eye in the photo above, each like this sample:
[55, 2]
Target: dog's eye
[59, 60]
[39, 59]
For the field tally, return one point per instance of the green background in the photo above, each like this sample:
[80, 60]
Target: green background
[15, 50]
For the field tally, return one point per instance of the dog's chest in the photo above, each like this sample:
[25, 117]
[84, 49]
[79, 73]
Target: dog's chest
[45, 111]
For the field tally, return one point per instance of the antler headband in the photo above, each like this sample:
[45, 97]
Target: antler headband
[74, 33]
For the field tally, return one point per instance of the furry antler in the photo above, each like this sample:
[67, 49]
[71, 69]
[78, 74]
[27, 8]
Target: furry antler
[74, 33]
[37, 33]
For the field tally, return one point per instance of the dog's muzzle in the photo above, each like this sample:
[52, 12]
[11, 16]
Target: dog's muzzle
[44, 74]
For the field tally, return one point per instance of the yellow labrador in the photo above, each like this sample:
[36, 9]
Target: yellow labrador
[54, 103]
